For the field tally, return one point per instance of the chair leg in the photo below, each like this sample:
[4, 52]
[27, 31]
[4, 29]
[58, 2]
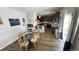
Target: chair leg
[23, 48]
[35, 45]
[20, 48]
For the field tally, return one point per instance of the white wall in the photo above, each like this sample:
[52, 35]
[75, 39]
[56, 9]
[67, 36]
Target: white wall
[31, 18]
[67, 18]
[8, 34]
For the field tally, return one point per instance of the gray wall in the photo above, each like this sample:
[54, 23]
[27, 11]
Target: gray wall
[76, 41]
[75, 36]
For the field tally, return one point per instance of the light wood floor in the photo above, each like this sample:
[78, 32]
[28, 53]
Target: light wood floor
[47, 42]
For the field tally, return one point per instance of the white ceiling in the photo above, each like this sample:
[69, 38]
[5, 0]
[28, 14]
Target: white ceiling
[34, 9]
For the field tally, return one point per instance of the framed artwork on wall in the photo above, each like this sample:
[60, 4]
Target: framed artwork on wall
[14, 21]
[1, 21]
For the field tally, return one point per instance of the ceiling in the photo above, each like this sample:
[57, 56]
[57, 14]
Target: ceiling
[34, 9]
